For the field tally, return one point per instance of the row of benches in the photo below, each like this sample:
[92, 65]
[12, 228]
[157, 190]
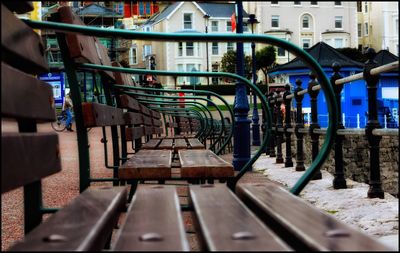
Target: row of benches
[258, 217]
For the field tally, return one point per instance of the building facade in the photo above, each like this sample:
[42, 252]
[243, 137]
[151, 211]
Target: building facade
[306, 23]
[191, 17]
[378, 25]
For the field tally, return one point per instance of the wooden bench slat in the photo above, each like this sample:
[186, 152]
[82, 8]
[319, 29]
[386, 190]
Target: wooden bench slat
[147, 120]
[300, 223]
[194, 143]
[84, 48]
[133, 118]
[203, 163]
[19, 6]
[158, 130]
[166, 144]
[145, 110]
[129, 103]
[133, 133]
[157, 122]
[37, 157]
[151, 144]
[226, 224]
[155, 114]
[84, 224]
[122, 78]
[21, 47]
[148, 130]
[147, 164]
[180, 144]
[95, 114]
[154, 211]
[23, 96]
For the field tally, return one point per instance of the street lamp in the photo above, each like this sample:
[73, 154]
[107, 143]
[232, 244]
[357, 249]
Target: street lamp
[206, 17]
[256, 126]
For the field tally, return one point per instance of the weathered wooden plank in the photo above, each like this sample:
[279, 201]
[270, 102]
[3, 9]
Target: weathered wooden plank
[299, 223]
[166, 144]
[28, 157]
[105, 60]
[158, 130]
[23, 96]
[157, 122]
[147, 164]
[145, 110]
[147, 120]
[226, 224]
[133, 133]
[148, 130]
[155, 114]
[122, 78]
[95, 114]
[133, 118]
[19, 6]
[129, 103]
[203, 163]
[85, 224]
[154, 222]
[151, 144]
[180, 144]
[194, 143]
[21, 47]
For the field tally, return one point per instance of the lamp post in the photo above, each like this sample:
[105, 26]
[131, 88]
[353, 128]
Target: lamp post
[206, 17]
[241, 132]
[256, 126]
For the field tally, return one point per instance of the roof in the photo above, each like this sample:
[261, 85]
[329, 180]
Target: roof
[214, 10]
[97, 10]
[384, 57]
[324, 54]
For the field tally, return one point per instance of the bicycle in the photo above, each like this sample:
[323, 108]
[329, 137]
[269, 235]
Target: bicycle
[60, 124]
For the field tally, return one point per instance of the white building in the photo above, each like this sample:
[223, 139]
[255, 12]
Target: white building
[191, 17]
[378, 25]
[305, 23]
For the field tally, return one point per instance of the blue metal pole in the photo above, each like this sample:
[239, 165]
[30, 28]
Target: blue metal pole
[241, 134]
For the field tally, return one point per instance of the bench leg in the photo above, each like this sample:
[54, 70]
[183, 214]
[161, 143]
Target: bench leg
[134, 184]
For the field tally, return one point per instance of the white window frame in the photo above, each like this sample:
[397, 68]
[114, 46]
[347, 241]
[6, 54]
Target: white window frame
[212, 48]
[339, 18]
[306, 39]
[277, 52]
[338, 39]
[302, 21]
[273, 18]
[212, 27]
[314, 5]
[275, 4]
[133, 55]
[359, 30]
[230, 30]
[191, 20]
[366, 7]
[187, 48]
[338, 5]
[247, 48]
[366, 29]
[227, 46]
[145, 49]
[180, 48]
[294, 3]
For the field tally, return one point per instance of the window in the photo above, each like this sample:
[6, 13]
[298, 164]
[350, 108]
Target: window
[245, 27]
[306, 43]
[359, 29]
[228, 26]
[314, 3]
[181, 79]
[214, 26]
[141, 8]
[396, 26]
[180, 49]
[247, 48]
[187, 20]
[366, 7]
[338, 3]
[230, 46]
[133, 56]
[366, 28]
[297, 3]
[146, 51]
[189, 49]
[214, 50]
[281, 51]
[338, 43]
[275, 21]
[274, 2]
[338, 22]
[214, 80]
[306, 22]
[193, 79]
[148, 8]
[359, 6]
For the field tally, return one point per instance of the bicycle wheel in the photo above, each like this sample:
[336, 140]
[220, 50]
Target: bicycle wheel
[58, 125]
